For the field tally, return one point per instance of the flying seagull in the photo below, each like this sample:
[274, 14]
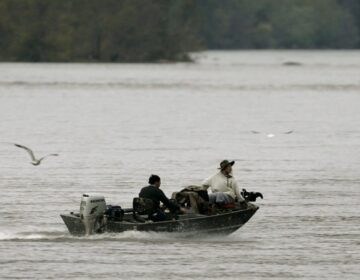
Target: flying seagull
[34, 161]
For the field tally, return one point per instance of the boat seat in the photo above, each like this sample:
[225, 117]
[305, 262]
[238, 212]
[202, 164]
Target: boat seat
[139, 218]
[142, 206]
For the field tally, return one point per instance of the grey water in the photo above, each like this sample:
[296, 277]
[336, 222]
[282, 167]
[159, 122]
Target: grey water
[115, 124]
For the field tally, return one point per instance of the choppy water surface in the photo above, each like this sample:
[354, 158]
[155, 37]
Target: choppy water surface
[115, 124]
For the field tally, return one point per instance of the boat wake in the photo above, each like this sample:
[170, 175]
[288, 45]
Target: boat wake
[130, 236]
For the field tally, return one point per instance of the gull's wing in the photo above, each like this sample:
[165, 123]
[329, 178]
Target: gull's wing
[288, 132]
[55, 155]
[255, 132]
[27, 149]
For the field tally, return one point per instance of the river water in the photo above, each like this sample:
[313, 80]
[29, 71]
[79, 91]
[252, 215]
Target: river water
[115, 124]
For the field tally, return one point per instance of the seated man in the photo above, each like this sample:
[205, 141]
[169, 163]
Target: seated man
[154, 193]
[223, 186]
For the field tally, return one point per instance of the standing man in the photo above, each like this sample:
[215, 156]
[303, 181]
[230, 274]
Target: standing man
[223, 185]
[154, 193]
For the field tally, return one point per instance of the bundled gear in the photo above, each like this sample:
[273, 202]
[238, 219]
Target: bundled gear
[195, 197]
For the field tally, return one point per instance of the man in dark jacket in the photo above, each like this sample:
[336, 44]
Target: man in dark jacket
[154, 193]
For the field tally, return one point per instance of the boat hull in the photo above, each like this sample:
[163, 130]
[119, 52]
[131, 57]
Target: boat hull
[222, 223]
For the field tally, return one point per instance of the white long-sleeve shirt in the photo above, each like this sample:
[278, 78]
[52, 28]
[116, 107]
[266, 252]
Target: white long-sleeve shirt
[221, 183]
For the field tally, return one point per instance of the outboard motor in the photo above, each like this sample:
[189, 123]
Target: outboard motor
[92, 210]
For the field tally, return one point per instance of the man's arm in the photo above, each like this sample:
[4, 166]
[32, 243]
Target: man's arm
[206, 183]
[172, 206]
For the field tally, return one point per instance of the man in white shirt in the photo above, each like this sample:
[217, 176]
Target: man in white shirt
[223, 185]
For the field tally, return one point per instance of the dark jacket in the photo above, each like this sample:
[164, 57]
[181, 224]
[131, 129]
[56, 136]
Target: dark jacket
[157, 196]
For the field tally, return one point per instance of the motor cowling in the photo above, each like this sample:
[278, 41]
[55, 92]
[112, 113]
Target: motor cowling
[92, 209]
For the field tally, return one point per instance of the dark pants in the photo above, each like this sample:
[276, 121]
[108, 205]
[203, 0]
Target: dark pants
[158, 216]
